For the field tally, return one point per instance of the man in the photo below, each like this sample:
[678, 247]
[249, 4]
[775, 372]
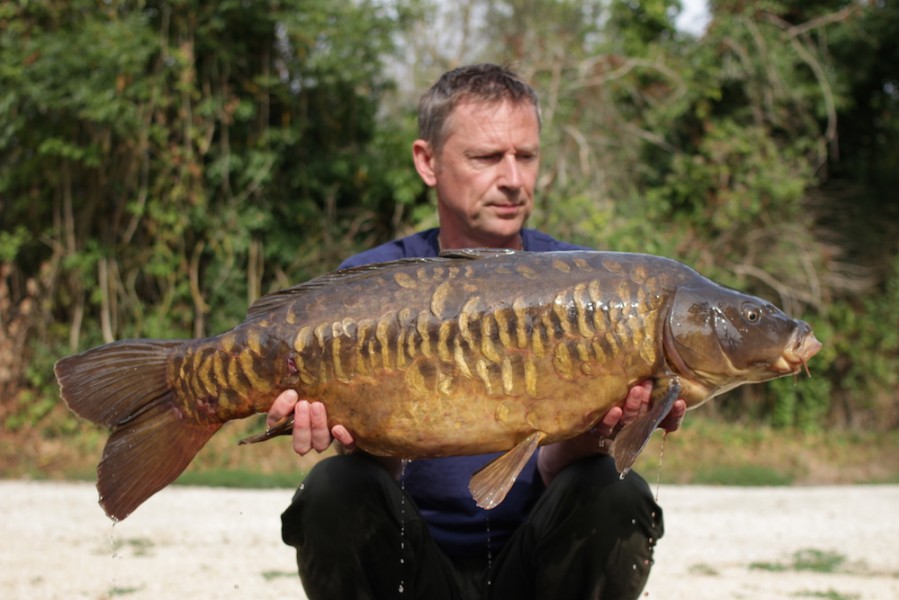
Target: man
[570, 527]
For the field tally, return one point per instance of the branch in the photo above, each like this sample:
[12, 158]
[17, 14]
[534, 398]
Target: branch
[794, 31]
[822, 21]
[200, 306]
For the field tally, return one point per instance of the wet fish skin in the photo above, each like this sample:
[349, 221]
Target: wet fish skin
[469, 353]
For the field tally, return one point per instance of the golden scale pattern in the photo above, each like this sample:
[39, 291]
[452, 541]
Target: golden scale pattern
[498, 347]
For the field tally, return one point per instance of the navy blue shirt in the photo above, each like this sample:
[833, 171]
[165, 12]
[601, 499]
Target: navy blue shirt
[439, 486]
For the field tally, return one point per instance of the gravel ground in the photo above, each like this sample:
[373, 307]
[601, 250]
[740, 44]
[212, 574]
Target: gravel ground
[184, 542]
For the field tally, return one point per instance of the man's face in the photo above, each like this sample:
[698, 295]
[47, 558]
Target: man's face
[485, 174]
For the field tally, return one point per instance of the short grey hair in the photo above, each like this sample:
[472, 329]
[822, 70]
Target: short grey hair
[486, 83]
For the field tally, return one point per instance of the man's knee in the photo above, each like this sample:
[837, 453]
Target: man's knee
[344, 478]
[596, 531]
[601, 490]
[333, 495]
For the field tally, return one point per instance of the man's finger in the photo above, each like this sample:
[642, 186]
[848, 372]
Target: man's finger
[609, 421]
[302, 433]
[318, 422]
[675, 416]
[281, 407]
[637, 398]
[342, 435]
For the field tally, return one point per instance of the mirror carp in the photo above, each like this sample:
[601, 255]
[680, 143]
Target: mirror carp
[472, 352]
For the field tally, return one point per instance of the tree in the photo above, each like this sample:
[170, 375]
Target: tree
[162, 164]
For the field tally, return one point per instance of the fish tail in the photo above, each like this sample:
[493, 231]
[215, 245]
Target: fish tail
[125, 386]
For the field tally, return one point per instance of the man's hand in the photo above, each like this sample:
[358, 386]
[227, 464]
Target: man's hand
[555, 457]
[310, 423]
[637, 403]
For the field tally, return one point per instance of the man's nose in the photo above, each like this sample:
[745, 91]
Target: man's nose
[511, 172]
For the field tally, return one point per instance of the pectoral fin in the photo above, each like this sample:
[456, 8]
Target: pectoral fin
[629, 443]
[490, 485]
[283, 427]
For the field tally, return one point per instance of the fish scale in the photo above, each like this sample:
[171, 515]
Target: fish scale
[473, 352]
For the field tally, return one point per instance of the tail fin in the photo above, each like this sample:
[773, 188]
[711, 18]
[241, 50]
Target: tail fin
[125, 386]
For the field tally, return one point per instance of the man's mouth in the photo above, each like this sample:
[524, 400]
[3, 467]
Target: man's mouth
[505, 206]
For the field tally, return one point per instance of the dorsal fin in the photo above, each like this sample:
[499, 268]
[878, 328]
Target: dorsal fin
[272, 301]
[269, 302]
[476, 253]
[277, 299]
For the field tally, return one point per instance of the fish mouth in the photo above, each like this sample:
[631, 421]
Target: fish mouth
[802, 346]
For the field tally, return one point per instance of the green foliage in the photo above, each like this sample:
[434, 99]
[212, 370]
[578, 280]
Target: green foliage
[802, 404]
[11, 242]
[737, 176]
[240, 478]
[640, 25]
[742, 475]
[163, 164]
[868, 377]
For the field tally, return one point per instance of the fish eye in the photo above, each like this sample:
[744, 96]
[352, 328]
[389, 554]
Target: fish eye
[752, 313]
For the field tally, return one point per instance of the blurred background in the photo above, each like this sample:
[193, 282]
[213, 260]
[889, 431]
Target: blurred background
[163, 164]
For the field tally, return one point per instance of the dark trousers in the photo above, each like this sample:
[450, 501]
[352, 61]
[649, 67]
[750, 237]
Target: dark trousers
[358, 535]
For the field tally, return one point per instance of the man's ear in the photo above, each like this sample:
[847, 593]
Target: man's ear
[425, 162]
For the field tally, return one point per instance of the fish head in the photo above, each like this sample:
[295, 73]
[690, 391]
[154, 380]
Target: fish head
[717, 339]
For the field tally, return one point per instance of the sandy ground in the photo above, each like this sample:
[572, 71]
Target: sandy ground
[215, 543]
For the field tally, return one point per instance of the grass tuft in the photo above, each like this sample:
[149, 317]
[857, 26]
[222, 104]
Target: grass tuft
[810, 560]
[703, 569]
[270, 575]
[829, 595]
[122, 591]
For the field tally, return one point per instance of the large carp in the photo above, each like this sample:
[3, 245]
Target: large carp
[473, 352]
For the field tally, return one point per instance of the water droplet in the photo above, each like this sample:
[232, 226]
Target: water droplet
[489, 548]
[403, 464]
[661, 455]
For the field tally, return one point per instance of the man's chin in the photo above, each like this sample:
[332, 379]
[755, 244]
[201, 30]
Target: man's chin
[506, 236]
